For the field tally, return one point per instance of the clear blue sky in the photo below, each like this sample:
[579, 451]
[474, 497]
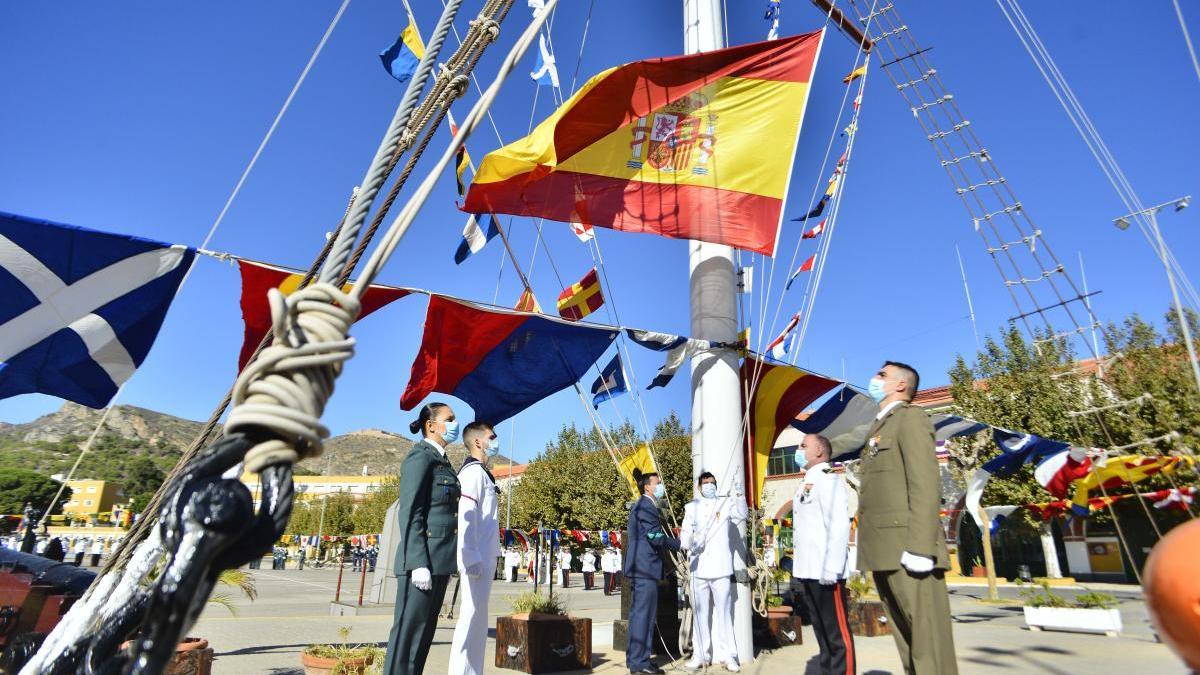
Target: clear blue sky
[138, 117]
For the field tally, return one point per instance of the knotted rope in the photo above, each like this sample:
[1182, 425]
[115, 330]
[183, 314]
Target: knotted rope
[285, 390]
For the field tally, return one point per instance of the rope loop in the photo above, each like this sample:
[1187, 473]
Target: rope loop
[285, 390]
[458, 85]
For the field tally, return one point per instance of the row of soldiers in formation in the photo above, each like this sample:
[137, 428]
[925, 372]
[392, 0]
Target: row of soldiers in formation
[447, 523]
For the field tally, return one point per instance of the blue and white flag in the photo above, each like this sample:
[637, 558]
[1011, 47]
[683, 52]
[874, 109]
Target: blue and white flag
[946, 427]
[1018, 449]
[545, 73]
[844, 419]
[678, 349]
[474, 238]
[79, 309]
[610, 383]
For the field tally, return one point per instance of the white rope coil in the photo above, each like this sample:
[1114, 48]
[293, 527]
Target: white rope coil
[286, 388]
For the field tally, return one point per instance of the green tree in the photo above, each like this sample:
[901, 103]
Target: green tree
[18, 486]
[142, 479]
[368, 517]
[574, 483]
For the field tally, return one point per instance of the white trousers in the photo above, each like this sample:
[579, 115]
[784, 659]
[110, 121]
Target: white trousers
[713, 610]
[471, 631]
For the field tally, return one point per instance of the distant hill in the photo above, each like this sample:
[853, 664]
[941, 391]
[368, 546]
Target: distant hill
[49, 443]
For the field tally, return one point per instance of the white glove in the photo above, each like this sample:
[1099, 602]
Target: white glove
[475, 570]
[422, 579]
[828, 578]
[917, 564]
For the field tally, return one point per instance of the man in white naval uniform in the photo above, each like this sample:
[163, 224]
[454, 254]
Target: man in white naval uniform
[820, 536]
[587, 563]
[512, 560]
[564, 567]
[709, 530]
[478, 548]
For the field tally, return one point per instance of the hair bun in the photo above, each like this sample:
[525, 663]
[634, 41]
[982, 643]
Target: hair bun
[637, 474]
[414, 426]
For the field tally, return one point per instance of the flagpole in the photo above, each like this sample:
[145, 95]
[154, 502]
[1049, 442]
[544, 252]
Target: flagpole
[1087, 301]
[716, 386]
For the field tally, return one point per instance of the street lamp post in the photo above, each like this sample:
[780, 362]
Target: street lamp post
[1151, 214]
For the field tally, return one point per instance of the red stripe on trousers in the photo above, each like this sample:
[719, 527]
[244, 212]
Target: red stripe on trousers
[843, 627]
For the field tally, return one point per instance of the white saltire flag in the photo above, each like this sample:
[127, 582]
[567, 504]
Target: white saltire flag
[545, 72]
[79, 309]
[474, 238]
[583, 231]
[610, 383]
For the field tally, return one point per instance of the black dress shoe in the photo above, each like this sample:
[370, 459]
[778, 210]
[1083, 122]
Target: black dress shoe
[651, 669]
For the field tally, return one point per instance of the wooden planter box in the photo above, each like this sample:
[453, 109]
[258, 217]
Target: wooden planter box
[1075, 619]
[867, 619]
[543, 643]
[777, 631]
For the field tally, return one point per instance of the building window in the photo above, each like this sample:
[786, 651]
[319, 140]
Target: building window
[87, 502]
[782, 461]
[91, 489]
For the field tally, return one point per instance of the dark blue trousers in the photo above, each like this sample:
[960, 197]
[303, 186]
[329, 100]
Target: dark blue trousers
[642, 609]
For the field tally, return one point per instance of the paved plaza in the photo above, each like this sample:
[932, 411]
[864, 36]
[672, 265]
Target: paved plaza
[292, 611]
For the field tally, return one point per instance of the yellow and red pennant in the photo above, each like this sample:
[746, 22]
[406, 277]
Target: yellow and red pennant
[690, 147]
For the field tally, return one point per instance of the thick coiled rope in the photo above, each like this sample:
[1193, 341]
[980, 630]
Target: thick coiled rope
[286, 388]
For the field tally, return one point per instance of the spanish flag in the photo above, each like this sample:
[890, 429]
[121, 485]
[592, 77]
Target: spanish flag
[528, 303]
[774, 395]
[1118, 471]
[582, 298]
[690, 147]
[258, 278]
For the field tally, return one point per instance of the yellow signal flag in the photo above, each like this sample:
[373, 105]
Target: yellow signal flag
[639, 459]
[855, 74]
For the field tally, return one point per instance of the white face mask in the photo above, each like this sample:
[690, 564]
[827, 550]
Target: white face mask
[708, 490]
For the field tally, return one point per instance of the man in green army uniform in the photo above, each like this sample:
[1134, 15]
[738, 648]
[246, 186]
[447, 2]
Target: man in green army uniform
[427, 520]
[900, 539]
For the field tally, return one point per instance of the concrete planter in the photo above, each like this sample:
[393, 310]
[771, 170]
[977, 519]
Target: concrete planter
[1074, 619]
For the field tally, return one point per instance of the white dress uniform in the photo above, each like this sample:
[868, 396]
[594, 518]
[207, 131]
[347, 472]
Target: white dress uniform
[478, 548]
[564, 566]
[710, 527]
[820, 526]
[512, 560]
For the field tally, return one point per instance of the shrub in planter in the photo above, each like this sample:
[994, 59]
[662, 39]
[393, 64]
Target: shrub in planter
[866, 615]
[1091, 612]
[342, 659]
[540, 638]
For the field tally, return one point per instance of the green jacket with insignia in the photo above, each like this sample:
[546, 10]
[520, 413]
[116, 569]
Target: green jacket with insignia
[900, 492]
[428, 512]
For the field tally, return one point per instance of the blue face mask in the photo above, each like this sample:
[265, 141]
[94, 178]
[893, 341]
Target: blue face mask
[875, 389]
[451, 433]
[801, 460]
[659, 491]
[708, 490]
[493, 448]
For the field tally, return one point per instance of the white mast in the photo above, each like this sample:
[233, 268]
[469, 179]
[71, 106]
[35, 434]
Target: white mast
[716, 387]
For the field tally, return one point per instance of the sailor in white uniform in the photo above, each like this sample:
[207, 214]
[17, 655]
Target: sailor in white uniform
[587, 563]
[709, 530]
[564, 566]
[512, 560]
[478, 548]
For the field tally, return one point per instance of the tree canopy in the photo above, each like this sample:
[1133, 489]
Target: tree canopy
[18, 486]
[574, 484]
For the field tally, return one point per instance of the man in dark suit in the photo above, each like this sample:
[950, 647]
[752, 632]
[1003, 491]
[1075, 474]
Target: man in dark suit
[900, 539]
[427, 518]
[644, 566]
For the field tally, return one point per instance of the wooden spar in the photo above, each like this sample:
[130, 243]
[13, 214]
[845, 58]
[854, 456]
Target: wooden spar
[839, 18]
